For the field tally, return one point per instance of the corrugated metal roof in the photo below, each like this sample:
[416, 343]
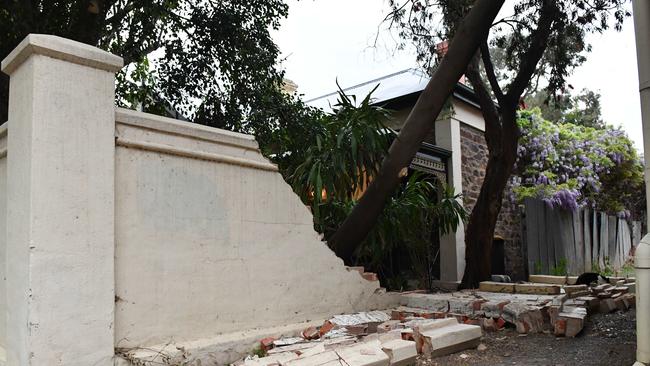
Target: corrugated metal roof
[389, 87]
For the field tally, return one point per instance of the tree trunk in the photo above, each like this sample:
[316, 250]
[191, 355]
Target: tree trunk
[502, 138]
[473, 30]
[4, 97]
[479, 233]
[482, 222]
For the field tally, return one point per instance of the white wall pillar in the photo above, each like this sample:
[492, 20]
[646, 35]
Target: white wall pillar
[452, 246]
[642, 254]
[60, 189]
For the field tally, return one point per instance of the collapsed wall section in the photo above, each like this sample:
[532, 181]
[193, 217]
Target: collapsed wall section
[210, 239]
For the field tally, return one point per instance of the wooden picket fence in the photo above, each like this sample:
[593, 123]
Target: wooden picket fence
[558, 241]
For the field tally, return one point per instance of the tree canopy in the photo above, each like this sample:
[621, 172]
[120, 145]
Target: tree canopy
[540, 39]
[214, 61]
[418, 125]
[582, 109]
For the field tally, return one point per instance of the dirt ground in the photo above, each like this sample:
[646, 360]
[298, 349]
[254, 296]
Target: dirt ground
[607, 339]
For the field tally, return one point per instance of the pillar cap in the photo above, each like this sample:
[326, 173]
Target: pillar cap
[62, 49]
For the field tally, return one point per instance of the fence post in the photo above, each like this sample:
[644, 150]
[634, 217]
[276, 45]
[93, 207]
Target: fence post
[60, 205]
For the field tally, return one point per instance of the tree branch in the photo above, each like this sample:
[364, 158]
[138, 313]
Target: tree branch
[535, 51]
[489, 71]
[488, 108]
[462, 48]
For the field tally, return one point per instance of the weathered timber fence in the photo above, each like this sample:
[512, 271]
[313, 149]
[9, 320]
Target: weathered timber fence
[576, 241]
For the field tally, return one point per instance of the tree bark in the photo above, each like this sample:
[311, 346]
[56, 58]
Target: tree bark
[482, 221]
[472, 31]
[502, 138]
[4, 97]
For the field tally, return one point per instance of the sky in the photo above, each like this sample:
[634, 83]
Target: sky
[327, 40]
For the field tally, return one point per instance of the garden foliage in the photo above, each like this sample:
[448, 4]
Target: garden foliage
[334, 165]
[572, 166]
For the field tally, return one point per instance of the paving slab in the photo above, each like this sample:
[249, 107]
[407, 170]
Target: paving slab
[322, 358]
[554, 280]
[537, 288]
[364, 354]
[400, 352]
[281, 358]
[569, 289]
[490, 286]
[435, 302]
[450, 339]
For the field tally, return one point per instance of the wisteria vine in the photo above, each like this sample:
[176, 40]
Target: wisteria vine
[572, 166]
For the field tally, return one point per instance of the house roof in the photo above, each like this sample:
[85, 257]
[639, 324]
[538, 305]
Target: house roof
[394, 91]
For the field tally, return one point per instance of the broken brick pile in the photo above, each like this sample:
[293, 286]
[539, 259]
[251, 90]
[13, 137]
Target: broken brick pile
[368, 339]
[562, 314]
[443, 323]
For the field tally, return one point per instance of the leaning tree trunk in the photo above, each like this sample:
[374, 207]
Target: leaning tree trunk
[472, 31]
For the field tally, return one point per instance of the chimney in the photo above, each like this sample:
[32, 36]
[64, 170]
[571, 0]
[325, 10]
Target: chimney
[441, 51]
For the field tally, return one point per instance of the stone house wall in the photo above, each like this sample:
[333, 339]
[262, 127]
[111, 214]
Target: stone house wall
[474, 160]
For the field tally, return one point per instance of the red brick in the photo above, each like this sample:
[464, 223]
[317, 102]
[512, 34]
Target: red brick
[489, 325]
[476, 305]
[620, 303]
[325, 328]
[560, 327]
[311, 333]
[502, 304]
[369, 276]
[407, 336]
[267, 343]
[356, 330]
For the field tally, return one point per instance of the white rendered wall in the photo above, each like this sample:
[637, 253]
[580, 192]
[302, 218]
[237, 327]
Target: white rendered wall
[469, 115]
[452, 245]
[206, 244]
[59, 254]
[143, 230]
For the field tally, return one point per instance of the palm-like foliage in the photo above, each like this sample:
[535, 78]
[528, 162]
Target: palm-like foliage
[348, 147]
[410, 223]
[333, 167]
